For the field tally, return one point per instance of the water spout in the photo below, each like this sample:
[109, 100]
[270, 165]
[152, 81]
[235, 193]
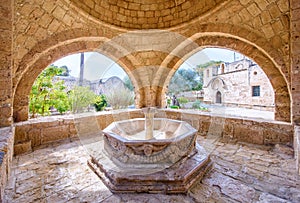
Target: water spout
[149, 121]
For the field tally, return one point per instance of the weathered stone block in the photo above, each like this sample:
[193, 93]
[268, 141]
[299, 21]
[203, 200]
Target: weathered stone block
[72, 130]
[204, 127]
[34, 135]
[21, 148]
[248, 134]
[21, 133]
[228, 131]
[51, 134]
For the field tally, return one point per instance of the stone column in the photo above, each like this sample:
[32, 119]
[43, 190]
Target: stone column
[295, 59]
[6, 32]
[295, 74]
[150, 78]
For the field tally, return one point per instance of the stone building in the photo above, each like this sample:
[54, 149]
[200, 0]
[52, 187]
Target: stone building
[69, 81]
[150, 39]
[100, 86]
[104, 85]
[241, 83]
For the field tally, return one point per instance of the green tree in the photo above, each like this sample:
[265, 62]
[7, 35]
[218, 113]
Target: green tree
[46, 94]
[182, 101]
[120, 97]
[65, 71]
[100, 102]
[184, 80]
[81, 98]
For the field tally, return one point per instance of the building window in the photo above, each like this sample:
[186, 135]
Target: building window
[255, 91]
[218, 97]
[207, 72]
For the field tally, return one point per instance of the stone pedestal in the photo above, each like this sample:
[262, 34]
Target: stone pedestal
[178, 178]
[168, 162]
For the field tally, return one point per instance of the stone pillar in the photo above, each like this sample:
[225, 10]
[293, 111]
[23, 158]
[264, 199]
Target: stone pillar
[20, 112]
[6, 32]
[295, 75]
[282, 107]
[149, 96]
[150, 76]
[295, 60]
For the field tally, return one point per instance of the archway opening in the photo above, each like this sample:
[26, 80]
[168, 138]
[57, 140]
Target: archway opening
[82, 82]
[225, 77]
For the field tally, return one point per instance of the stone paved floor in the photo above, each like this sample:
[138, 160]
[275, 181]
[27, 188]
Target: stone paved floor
[241, 173]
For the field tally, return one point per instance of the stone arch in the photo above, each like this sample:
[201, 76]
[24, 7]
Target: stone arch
[29, 72]
[271, 66]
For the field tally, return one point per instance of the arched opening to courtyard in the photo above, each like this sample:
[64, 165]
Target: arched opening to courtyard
[269, 64]
[215, 75]
[87, 81]
[35, 66]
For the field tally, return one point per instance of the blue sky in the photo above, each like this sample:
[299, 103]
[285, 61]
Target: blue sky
[99, 66]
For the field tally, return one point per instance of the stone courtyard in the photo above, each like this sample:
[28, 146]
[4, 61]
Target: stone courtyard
[241, 172]
[255, 160]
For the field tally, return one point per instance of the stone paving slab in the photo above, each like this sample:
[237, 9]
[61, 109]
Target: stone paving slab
[241, 172]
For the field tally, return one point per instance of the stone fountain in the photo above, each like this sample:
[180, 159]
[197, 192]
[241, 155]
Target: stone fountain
[154, 155]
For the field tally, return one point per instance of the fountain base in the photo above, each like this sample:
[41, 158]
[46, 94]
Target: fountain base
[177, 178]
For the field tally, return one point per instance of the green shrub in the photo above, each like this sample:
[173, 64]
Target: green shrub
[100, 102]
[197, 105]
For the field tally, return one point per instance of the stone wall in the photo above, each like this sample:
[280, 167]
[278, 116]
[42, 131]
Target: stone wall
[6, 155]
[6, 33]
[32, 133]
[256, 131]
[295, 58]
[36, 132]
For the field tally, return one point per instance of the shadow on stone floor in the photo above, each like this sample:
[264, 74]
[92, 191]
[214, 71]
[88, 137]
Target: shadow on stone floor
[241, 173]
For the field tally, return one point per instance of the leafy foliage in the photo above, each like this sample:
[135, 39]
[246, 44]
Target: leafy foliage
[65, 71]
[185, 80]
[100, 102]
[81, 99]
[46, 94]
[183, 100]
[120, 97]
[197, 105]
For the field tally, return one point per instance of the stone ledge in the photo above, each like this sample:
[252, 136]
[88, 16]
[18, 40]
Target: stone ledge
[234, 128]
[35, 132]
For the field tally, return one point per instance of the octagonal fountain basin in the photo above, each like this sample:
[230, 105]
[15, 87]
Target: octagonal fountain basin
[152, 155]
[128, 142]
